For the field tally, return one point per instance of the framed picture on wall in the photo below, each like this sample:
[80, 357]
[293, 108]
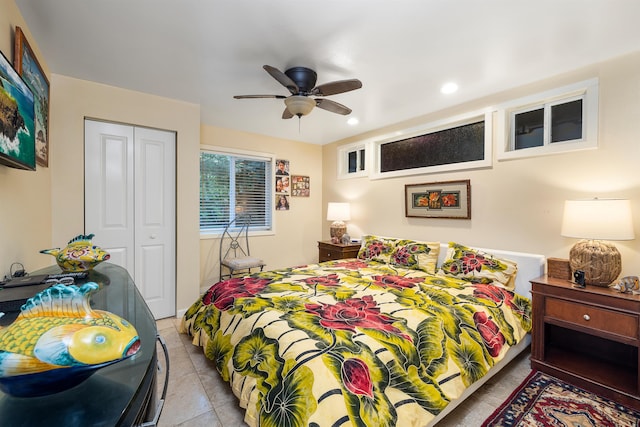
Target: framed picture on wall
[283, 183]
[282, 167]
[27, 65]
[282, 202]
[17, 129]
[447, 199]
[300, 186]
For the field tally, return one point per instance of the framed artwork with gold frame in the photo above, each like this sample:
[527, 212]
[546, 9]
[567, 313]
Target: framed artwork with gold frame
[447, 199]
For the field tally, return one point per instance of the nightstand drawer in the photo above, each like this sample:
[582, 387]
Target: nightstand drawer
[328, 251]
[330, 254]
[596, 318]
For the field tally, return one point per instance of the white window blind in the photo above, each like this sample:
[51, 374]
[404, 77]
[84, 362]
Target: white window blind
[232, 184]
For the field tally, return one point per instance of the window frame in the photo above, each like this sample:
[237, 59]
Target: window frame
[437, 126]
[586, 90]
[343, 160]
[217, 233]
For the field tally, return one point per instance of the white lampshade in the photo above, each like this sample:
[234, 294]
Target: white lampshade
[338, 211]
[598, 219]
[299, 105]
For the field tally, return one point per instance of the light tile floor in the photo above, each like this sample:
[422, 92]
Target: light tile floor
[197, 396]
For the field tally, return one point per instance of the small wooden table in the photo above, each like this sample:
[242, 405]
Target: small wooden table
[588, 337]
[328, 251]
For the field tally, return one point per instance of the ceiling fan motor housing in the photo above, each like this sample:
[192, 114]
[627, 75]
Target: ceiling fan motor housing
[304, 77]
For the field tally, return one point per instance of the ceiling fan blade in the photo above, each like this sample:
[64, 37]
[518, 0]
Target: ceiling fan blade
[332, 106]
[336, 87]
[282, 78]
[286, 114]
[259, 96]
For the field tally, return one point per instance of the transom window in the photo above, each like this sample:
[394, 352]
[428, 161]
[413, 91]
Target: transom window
[232, 183]
[561, 120]
[352, 160]
[455, 143]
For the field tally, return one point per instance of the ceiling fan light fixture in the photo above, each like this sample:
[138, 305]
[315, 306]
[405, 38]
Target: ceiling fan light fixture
[300, 81]
[299, 105]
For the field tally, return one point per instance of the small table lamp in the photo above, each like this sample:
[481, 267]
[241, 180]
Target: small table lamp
[338, 213]
[595, 221]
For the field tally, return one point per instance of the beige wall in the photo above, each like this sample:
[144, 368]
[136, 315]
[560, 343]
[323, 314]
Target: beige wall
[517, 204]
[71, 101]
[25, 196]
[298, 229]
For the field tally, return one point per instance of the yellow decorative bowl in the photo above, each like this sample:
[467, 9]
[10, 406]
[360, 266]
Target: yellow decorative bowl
[79, 255]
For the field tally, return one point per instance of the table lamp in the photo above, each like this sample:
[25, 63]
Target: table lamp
[595, 221]
[338, 213]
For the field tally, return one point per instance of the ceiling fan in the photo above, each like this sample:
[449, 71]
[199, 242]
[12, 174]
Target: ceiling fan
[301, 82]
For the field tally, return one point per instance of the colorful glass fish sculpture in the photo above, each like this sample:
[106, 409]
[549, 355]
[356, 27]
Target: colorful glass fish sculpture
[79, 255]
[57, 331]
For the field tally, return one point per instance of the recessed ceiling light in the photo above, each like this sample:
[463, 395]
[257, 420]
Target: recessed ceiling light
[448, 88]
[353, 121]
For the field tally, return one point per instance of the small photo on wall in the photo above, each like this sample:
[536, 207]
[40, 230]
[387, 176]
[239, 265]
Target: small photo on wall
[282, 185]
[300, 186]
[282, 202]
[282, 167]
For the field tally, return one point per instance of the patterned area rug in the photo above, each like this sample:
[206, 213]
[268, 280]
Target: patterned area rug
[543, 400]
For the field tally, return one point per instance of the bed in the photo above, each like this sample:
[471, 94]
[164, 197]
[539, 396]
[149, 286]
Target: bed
[398, 336]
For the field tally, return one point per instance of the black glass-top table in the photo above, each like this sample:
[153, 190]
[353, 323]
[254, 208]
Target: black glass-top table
[122, 394]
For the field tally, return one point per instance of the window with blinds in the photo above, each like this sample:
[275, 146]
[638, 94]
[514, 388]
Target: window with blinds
[232, 184]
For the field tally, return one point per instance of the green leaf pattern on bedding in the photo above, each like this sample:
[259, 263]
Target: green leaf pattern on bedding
[285, 385]
[390, 346]
[220, 350]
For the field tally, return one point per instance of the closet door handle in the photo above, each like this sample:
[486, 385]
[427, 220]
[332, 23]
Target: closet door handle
[153, 236]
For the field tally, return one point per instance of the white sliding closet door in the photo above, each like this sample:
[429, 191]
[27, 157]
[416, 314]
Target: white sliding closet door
[130, 186]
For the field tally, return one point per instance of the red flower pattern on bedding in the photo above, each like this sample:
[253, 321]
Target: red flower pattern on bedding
[356, 377]
[223, 294]
[491, 335]
[352, 265]
[402, 255]
[352, 313]
[328, 280]
[473, 262]
[494, 293]
[375, 248]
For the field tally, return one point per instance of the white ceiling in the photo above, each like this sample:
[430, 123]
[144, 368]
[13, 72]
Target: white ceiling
[206, 51]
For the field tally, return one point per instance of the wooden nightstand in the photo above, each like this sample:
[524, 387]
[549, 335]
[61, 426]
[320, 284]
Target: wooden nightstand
[328, 251]
[588, 337]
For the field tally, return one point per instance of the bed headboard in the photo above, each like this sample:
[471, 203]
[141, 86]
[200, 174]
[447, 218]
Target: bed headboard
[530, 266]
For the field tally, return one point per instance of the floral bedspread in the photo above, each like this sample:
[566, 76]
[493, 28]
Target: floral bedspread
[350, 343]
